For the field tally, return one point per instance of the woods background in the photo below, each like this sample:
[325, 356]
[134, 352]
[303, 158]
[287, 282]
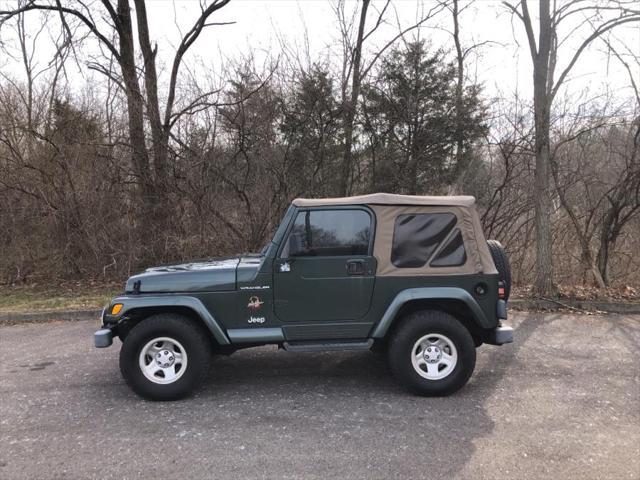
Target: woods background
[145, 161]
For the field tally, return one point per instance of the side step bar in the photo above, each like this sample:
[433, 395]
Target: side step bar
[327, 346]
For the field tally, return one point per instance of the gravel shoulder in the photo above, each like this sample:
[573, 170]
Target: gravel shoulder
[561, 402]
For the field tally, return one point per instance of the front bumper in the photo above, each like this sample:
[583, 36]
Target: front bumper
[103, 338]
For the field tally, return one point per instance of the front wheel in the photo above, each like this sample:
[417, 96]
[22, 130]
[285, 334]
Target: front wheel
[432, 353]
[165, 357]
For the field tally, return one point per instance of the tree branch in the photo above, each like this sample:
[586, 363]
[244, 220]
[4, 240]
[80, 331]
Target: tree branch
[190, 37]
[526, 20]
[605, 27]
[434, 11]
[8, 14]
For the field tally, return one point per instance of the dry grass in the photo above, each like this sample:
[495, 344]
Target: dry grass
[625, 293]
[70, 296]
[94, 295]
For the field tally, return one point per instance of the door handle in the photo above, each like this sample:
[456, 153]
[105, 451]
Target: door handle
[355, 267]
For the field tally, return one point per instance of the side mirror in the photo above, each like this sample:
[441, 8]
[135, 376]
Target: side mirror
[297, 245]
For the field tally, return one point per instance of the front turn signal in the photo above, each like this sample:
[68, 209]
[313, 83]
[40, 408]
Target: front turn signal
[116, 309]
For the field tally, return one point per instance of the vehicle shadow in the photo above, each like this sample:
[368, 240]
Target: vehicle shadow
[351, 396]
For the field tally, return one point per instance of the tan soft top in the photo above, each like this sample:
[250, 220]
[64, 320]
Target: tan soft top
[388, 206]
[387, 199]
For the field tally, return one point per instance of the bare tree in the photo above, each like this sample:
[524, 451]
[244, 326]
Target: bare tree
[501, 182]
[624, 198]
[349, 106]
[455, 14]
[137, 165]
[462, 154]
[117, 37]
[580, 189]
[545, 52]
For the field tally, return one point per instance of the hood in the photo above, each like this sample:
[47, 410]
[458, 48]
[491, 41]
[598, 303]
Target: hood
[208, 276]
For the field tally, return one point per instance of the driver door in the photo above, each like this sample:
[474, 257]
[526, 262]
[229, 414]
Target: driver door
[326, 270]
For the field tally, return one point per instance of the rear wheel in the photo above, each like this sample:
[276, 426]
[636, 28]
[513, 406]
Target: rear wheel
[165, 357]
[432, 353]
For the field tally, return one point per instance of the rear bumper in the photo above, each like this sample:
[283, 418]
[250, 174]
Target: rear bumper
[103, 338]
[500, 335]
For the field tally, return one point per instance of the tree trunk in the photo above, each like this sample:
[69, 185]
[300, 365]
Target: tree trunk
[609, 233]
[588, 263]
[135, 113]
[544, 285]
[603, 252]
[351, 106]
[460, 167]
[160, 140]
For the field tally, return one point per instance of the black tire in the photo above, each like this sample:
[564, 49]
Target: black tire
[502, 265]
[191, 336]
[418, 325]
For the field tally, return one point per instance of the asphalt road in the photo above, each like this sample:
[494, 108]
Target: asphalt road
[562, 402]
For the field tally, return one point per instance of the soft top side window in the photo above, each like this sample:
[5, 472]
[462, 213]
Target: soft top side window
[329, 233]
[416, 237]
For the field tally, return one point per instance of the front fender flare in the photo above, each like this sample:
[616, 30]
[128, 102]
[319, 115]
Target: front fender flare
[428, 293]
[130, 303]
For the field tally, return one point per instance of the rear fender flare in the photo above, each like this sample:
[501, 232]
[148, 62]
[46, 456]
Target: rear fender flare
[428, 293]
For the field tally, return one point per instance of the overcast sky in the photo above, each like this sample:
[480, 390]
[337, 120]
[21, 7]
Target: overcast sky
[503, 64]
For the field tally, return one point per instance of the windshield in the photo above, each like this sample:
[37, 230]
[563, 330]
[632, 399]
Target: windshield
[265, 249]
[271, 247]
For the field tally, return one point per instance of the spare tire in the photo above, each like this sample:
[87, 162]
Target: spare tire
[501, 261]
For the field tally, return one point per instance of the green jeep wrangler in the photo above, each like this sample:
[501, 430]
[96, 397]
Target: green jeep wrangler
[409, 275]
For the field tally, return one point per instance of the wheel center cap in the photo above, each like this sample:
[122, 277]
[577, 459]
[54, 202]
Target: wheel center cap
[432, 354]
[165, 358]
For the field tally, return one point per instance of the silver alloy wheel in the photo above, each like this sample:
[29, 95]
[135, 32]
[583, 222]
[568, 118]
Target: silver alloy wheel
[434, 356]
[163, 360]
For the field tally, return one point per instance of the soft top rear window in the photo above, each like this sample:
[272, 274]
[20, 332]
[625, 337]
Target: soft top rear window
[452, 254]
[416, 237]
